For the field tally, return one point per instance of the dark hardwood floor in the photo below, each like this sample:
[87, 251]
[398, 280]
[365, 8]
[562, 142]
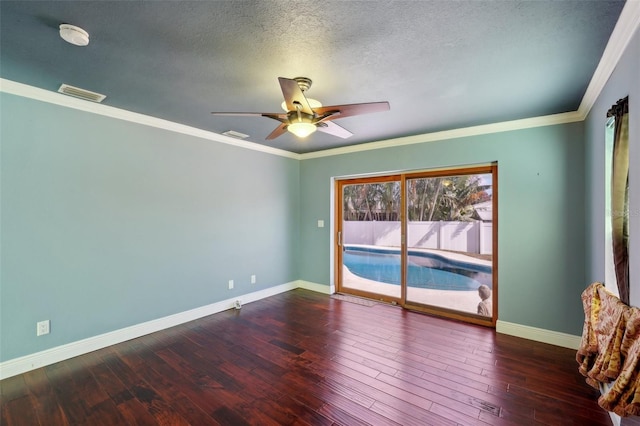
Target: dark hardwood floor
[303, 358]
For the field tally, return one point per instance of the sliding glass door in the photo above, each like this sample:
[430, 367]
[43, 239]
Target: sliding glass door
[424, 240]
[450, 242]
[369, 238]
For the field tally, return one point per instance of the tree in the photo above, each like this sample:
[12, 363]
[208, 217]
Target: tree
[445, 198]
[448, 198]
[373, 201]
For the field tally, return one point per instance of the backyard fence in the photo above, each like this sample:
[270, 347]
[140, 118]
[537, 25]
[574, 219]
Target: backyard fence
[470, 237]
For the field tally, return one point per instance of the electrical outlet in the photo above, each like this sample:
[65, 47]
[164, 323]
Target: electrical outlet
[230, 284]
[42, 328]
[253, 279]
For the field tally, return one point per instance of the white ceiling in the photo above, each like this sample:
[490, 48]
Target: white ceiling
[441, 64]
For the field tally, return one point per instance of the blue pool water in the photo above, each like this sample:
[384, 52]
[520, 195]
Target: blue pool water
[425, 270]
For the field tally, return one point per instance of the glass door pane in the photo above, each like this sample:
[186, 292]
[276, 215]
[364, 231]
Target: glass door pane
[450, 243]
[370, 251]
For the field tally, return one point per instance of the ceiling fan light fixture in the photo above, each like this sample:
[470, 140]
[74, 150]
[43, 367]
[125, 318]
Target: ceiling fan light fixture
[301, 129]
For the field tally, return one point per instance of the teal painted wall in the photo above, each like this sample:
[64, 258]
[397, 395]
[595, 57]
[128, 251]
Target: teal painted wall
[623, 82]
[107, 223]
[541, 214]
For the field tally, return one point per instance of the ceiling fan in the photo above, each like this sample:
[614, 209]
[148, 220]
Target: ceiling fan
[304, 115]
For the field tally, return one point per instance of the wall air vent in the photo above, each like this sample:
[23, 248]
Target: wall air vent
[81, 93]
[234, 134]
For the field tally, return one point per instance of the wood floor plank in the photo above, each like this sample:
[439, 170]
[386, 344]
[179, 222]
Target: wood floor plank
[13, 387]
[20, 411]
[304, 414]
[202, 390]
[128, 407]
[388, 399]
[71, 399]
[46, 403]
[167, 383]
[303, 358]
[144, 392]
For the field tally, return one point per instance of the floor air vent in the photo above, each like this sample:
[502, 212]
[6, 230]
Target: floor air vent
[489, 407]
[77, 92]
[357, 300]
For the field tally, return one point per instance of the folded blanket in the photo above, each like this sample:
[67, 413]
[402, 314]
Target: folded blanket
[624, 396]
[602, 335]
[610, 349]
[591, 306]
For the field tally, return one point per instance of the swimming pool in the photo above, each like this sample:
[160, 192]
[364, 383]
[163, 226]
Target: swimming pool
[425, 270]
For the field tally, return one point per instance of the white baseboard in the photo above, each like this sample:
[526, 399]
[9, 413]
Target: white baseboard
[539, 334]
[318, 288]
[30, 362]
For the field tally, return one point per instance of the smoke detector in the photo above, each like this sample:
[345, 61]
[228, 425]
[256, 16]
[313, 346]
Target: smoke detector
[74, 35]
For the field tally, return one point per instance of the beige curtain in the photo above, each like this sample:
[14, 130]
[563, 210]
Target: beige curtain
[620, 196]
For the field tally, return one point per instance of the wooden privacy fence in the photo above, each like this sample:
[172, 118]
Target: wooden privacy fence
[470, 237]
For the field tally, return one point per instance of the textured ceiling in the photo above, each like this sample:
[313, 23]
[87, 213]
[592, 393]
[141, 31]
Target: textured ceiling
[441, 64]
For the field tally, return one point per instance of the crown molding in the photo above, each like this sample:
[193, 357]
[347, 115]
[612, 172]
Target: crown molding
[26, 91]
[622, 34]
[625, 28]
[31, 92]
[505, 126]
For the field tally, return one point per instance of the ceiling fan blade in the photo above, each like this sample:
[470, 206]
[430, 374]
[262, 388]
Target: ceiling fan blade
[333, 129]
[282, 128]
[274, 115]
[321, 117]
[293, 95]
[340, 111]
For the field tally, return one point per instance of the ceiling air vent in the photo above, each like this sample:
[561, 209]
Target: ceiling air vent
[234, 134]
[81, 93]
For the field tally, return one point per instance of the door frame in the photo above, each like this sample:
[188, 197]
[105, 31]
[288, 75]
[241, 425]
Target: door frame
[339, 234]
[491, 168]
[451, 313]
